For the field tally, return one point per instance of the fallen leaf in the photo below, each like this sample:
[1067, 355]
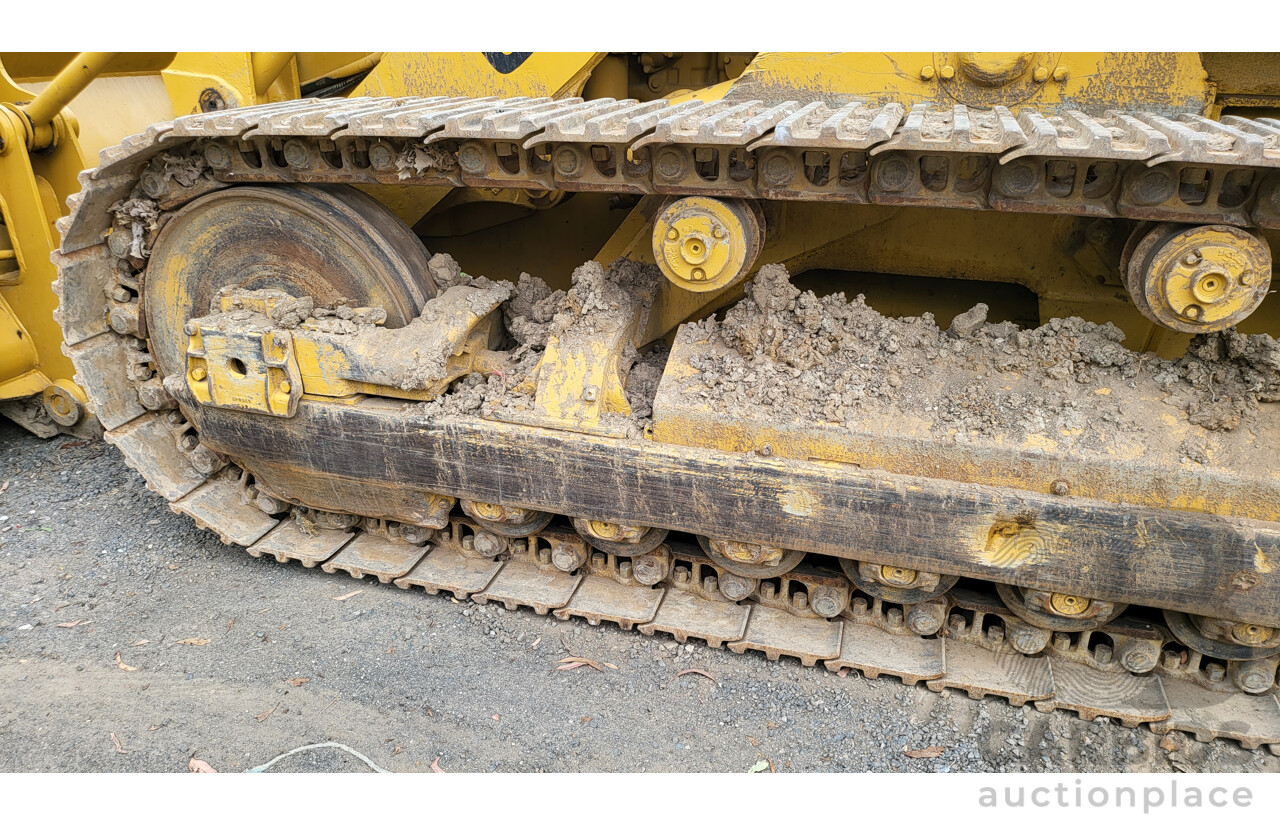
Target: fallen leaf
[140, 643]
[429, 711]
[570, 662]
[435, 766]
[842, 672]
[536, 642]
[772, 725]
[76, 622]
[195, 642]
[931, 752]
[116, 742]
[153, 728]
[758, 767]
[262, 717]
[1168, 745]
[587, 719]
[754, 741]
[299, 682]
[389, 650]
[571, 667]
[496, 718]
[346, 596]
[121, 664]
[67, 446]
[696, 672]
[200, 766]
[4, 487]
[397, 751]
[231, 623]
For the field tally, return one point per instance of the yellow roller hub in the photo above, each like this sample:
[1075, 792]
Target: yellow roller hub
[1067, 605]
[705, 244]
[1202, 279]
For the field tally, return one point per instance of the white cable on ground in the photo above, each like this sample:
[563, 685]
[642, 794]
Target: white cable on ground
[338, 745]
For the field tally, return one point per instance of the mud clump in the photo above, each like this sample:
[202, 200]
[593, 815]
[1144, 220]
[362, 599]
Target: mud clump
[794, 357]
[597, 300]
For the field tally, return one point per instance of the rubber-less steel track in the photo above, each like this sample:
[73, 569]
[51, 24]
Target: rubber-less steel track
[1137, 165]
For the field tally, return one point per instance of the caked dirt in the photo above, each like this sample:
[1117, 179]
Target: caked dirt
[790, 356]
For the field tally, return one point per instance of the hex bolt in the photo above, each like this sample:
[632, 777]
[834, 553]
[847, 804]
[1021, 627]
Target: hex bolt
[671, 164]
[650, 568]
[926, 618]
[1061, 74]
[565, 560]
[1061, 642]
[1060, 487]
[1028, 639]
[1215, 671]
[800, 599]
[188, 442]
[119, 242]
[381, 157]
[682, 575]
[488, 545]
[736, 588]
[625, 569]
[947, 72]
[568, 161]
[894, 617]
[199, 374]
[1255, 676]
[893, 174]
[957, 624]
[153, 183]
[217, 156]
[269, 504]
[297, 154]
[1192, 258]
[471, 159]
[589, 394]
[766, 450]
[927, 73]
[1102, 654]
[825, 601]
[1170, 660]
[1246, 278]
[414, 534]
[1137, 656]
[778, 170]
[1154, 186]
[996, 633]
[1040, 75]
[1017, 180]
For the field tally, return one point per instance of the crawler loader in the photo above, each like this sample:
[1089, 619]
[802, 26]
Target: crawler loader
[954, 367]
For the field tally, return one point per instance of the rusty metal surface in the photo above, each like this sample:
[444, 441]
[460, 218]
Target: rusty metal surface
[779, 633]
[444, 568]
[371, 555]
[602, 599]
[875, 651]
[289, 541]
[684, 614]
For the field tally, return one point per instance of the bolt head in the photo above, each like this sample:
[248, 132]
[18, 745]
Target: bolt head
[947, 72]
[381, 157]
[198, 374]
[927, 73]
[1040, 75]
[217, 156]
[1138, 660]
[1061, 73]
[471, 159]
[297, 154]
[1061, 487]
[893, 174]
[1254, 681]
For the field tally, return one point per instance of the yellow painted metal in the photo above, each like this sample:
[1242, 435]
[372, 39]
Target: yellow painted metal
[501, 74]
[1158, 81]
[71, 81]
[18, 356]
[1199, 279]
[1064, 604]
[244, 371]
[705, 244]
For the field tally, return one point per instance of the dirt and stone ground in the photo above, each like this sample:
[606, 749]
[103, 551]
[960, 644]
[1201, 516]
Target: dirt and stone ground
[409, 679]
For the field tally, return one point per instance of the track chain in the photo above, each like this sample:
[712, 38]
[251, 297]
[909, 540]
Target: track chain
[828, 152]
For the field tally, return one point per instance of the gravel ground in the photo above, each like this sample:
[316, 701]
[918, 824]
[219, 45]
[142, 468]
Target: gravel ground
[409, 679]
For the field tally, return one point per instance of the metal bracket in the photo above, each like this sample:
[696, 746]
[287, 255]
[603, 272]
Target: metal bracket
[248, 370]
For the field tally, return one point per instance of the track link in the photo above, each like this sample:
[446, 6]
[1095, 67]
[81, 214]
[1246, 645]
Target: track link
[788, 150]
